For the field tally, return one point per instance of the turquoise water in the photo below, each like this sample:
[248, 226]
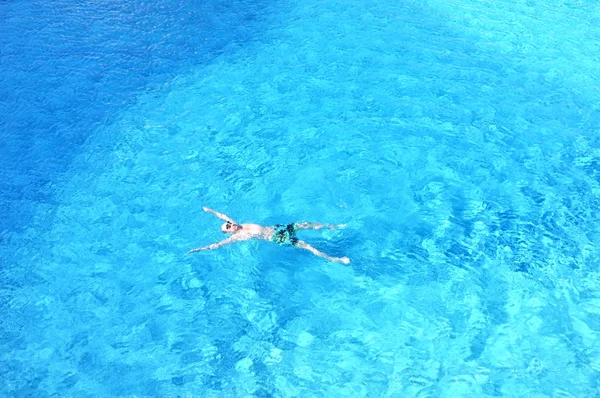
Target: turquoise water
[459, 141]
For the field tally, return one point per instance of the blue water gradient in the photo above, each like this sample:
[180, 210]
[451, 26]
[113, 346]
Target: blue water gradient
[459, 141]
[66, 68]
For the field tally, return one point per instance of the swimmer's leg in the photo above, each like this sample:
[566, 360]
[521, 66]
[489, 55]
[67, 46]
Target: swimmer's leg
[303, 245]
[316, 225]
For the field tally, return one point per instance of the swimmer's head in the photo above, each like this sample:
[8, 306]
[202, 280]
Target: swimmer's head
[229, 227]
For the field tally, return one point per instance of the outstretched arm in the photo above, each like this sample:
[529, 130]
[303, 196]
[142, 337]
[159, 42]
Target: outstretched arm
[221, 216]
[316, 225]
[216, 245]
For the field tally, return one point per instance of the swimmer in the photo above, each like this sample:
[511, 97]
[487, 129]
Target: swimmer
[281, 234]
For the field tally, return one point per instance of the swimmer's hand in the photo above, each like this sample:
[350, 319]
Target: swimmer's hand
[209, 247]
[344, 260]
[227, 241]
[200, 249]
[219, 215]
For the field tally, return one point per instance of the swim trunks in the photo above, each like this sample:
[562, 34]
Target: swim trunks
[285, 235]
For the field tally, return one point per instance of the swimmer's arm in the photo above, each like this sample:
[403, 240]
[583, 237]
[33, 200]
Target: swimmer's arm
[219, 244]
[219, 215]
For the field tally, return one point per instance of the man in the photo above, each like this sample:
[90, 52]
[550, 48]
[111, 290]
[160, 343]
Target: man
[284, 235]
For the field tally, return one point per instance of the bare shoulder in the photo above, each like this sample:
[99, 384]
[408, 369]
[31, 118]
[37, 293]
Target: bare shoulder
[252, 227]
[257, 231]
[242, 235]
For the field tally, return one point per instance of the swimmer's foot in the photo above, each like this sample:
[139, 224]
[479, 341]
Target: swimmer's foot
[316, 225]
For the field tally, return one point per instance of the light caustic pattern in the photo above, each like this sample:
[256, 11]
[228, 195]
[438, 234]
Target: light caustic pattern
[458, 141]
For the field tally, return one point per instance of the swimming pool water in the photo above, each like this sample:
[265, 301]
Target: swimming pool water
[459, 141]
[67, 68]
